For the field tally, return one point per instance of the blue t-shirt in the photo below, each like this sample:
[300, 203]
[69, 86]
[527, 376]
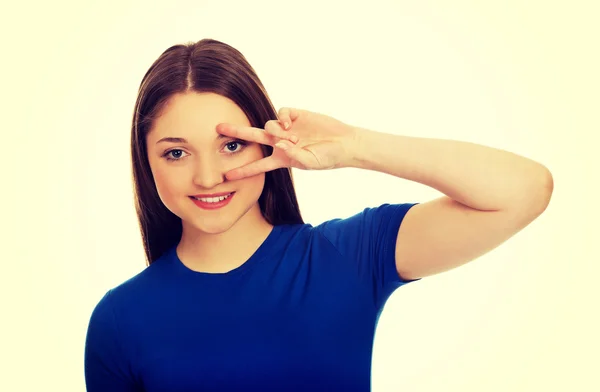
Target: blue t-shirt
[299, 315]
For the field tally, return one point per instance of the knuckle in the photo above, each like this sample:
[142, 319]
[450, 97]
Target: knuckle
[284, 113]
[271, 126]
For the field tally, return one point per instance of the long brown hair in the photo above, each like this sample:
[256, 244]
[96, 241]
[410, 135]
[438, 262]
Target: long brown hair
[204, 66]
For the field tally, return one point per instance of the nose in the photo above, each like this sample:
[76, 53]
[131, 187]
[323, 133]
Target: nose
[208, 173]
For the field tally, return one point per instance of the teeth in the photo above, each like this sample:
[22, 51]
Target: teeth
[212, 199]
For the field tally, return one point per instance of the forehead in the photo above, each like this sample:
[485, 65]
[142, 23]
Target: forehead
[196, 114]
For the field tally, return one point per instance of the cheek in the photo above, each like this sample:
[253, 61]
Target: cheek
[251, 154]
[254, 153]
[169, 187]
[254, 184]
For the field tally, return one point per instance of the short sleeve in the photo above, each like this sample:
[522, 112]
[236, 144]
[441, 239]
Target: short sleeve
[106, 365]
[368, 239]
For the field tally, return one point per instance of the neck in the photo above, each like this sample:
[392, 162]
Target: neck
[222, 252]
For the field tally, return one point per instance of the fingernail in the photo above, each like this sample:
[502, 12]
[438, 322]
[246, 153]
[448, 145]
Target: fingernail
[294, 139]
[286, 125]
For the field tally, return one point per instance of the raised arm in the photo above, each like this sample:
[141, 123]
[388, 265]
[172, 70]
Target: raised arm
[490, 195]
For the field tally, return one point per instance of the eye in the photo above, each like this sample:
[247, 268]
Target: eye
[235, 146]
[174, 155]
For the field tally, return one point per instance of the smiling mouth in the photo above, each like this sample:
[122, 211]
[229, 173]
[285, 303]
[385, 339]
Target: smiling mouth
[212, 199]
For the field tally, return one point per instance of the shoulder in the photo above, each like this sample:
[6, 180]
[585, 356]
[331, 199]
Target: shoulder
[134, 289]
[374, 226]
[367, 220]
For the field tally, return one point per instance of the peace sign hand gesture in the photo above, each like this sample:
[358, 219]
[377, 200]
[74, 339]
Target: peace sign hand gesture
[307, 140]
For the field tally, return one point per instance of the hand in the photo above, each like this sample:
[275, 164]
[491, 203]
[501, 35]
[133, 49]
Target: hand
[310, 141]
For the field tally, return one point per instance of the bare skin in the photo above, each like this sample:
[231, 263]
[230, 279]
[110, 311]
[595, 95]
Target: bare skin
[489, 194]
[214, 241]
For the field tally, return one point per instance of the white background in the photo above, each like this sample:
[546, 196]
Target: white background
[522, 76]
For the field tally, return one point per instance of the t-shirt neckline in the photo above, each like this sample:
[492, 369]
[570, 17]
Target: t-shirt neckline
[260, 254]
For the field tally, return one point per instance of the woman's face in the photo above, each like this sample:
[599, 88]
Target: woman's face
[189, 158]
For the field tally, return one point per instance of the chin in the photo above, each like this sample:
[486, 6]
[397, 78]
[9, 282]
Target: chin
[218, 226]
[218, 223]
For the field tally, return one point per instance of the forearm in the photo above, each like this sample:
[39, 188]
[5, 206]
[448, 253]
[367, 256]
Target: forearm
[477, 176]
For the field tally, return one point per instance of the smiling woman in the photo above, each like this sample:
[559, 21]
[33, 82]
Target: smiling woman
[184, 94]
[239, 293]
[188, 160]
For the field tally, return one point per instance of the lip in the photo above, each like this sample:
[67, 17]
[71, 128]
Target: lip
[213, 194]
[212, 206]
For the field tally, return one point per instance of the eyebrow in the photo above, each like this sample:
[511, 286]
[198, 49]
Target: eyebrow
[183, 140]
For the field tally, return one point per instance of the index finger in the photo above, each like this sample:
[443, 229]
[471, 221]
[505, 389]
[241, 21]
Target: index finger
[249, 134]
[251, 169]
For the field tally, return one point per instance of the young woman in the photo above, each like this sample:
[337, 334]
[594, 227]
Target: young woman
[239, 293]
